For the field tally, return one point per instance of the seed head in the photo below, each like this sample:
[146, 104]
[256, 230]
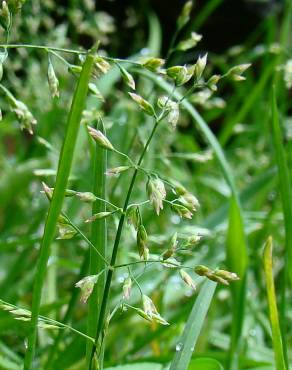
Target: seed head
[100, 138]
[142, 241]
[47, 190]
[185, 14]
[202, 270]
[236, 72]
[151, 311]
[153, 64]
[143, 104]
[127, 77]
[98, 216]
[117, 170]
[86, 196]
[101, 66]
[127, 287]
[227, 275]
[5, 17]
[86, 285]
[200, 66]
[192, 240]
[180, 74]
[94, 90]
[26, 119]
[187, 279]
[190, 201]
[52, 80]
[133, 216]
[189, 43]
[66, 231]
[182, 211]
[172, 248]
[212, 82]
[156, 193]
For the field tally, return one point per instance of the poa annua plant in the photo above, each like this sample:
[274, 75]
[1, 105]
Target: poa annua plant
[158, 112]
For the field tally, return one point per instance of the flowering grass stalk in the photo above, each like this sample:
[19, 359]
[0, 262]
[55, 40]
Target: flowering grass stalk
[109, 277]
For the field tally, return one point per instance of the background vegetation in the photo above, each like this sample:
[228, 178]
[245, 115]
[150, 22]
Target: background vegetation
[231, 149]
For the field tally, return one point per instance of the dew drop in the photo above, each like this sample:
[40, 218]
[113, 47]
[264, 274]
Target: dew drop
[178, 347]
[145, 51]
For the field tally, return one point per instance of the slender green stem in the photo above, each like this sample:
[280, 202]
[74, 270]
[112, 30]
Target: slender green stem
[153, 261]
[42, 47]
[60, 57]
[55, 207]
[67, 51]
[48, 320]
[83, 236]
[99, 240]
[103, 308]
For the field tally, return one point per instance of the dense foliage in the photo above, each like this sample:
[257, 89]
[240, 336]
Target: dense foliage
[141, 196]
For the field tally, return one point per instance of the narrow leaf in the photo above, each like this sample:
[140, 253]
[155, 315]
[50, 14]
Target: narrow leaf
[273, 311]
[193, 327]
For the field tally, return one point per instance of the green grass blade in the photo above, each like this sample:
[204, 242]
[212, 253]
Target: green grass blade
[193, 327]
[237, 261]
[205, 363]
[248, 104]
[99, 239]
[139, 365]
[205, 13]
[64, 168]
[286, 197]
[284, 181]
[273, 311]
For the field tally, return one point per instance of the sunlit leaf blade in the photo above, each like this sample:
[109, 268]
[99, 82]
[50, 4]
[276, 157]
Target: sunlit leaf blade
[273, 311]
[237, 261]
[188, 340]
[140, 366]
[236, 247]
[205, 363]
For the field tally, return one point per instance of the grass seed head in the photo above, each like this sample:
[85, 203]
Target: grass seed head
[100, 138]
[86, 285]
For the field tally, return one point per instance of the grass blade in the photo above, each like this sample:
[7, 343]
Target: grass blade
[284, 181]
[193, 327]
[64, 168]
[273, 311]
[98, 238]
[237, 261]
[286, 197]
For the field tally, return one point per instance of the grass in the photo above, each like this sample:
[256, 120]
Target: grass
[58, 195]
[184, 189]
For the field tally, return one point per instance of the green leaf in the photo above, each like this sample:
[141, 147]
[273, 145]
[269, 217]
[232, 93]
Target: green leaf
[236, 247]
[284, 181]
[286, 197]
[237, 261]
[64, 167]
[188, 340]
[273, 311]
[139, 365]
[205, 363]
